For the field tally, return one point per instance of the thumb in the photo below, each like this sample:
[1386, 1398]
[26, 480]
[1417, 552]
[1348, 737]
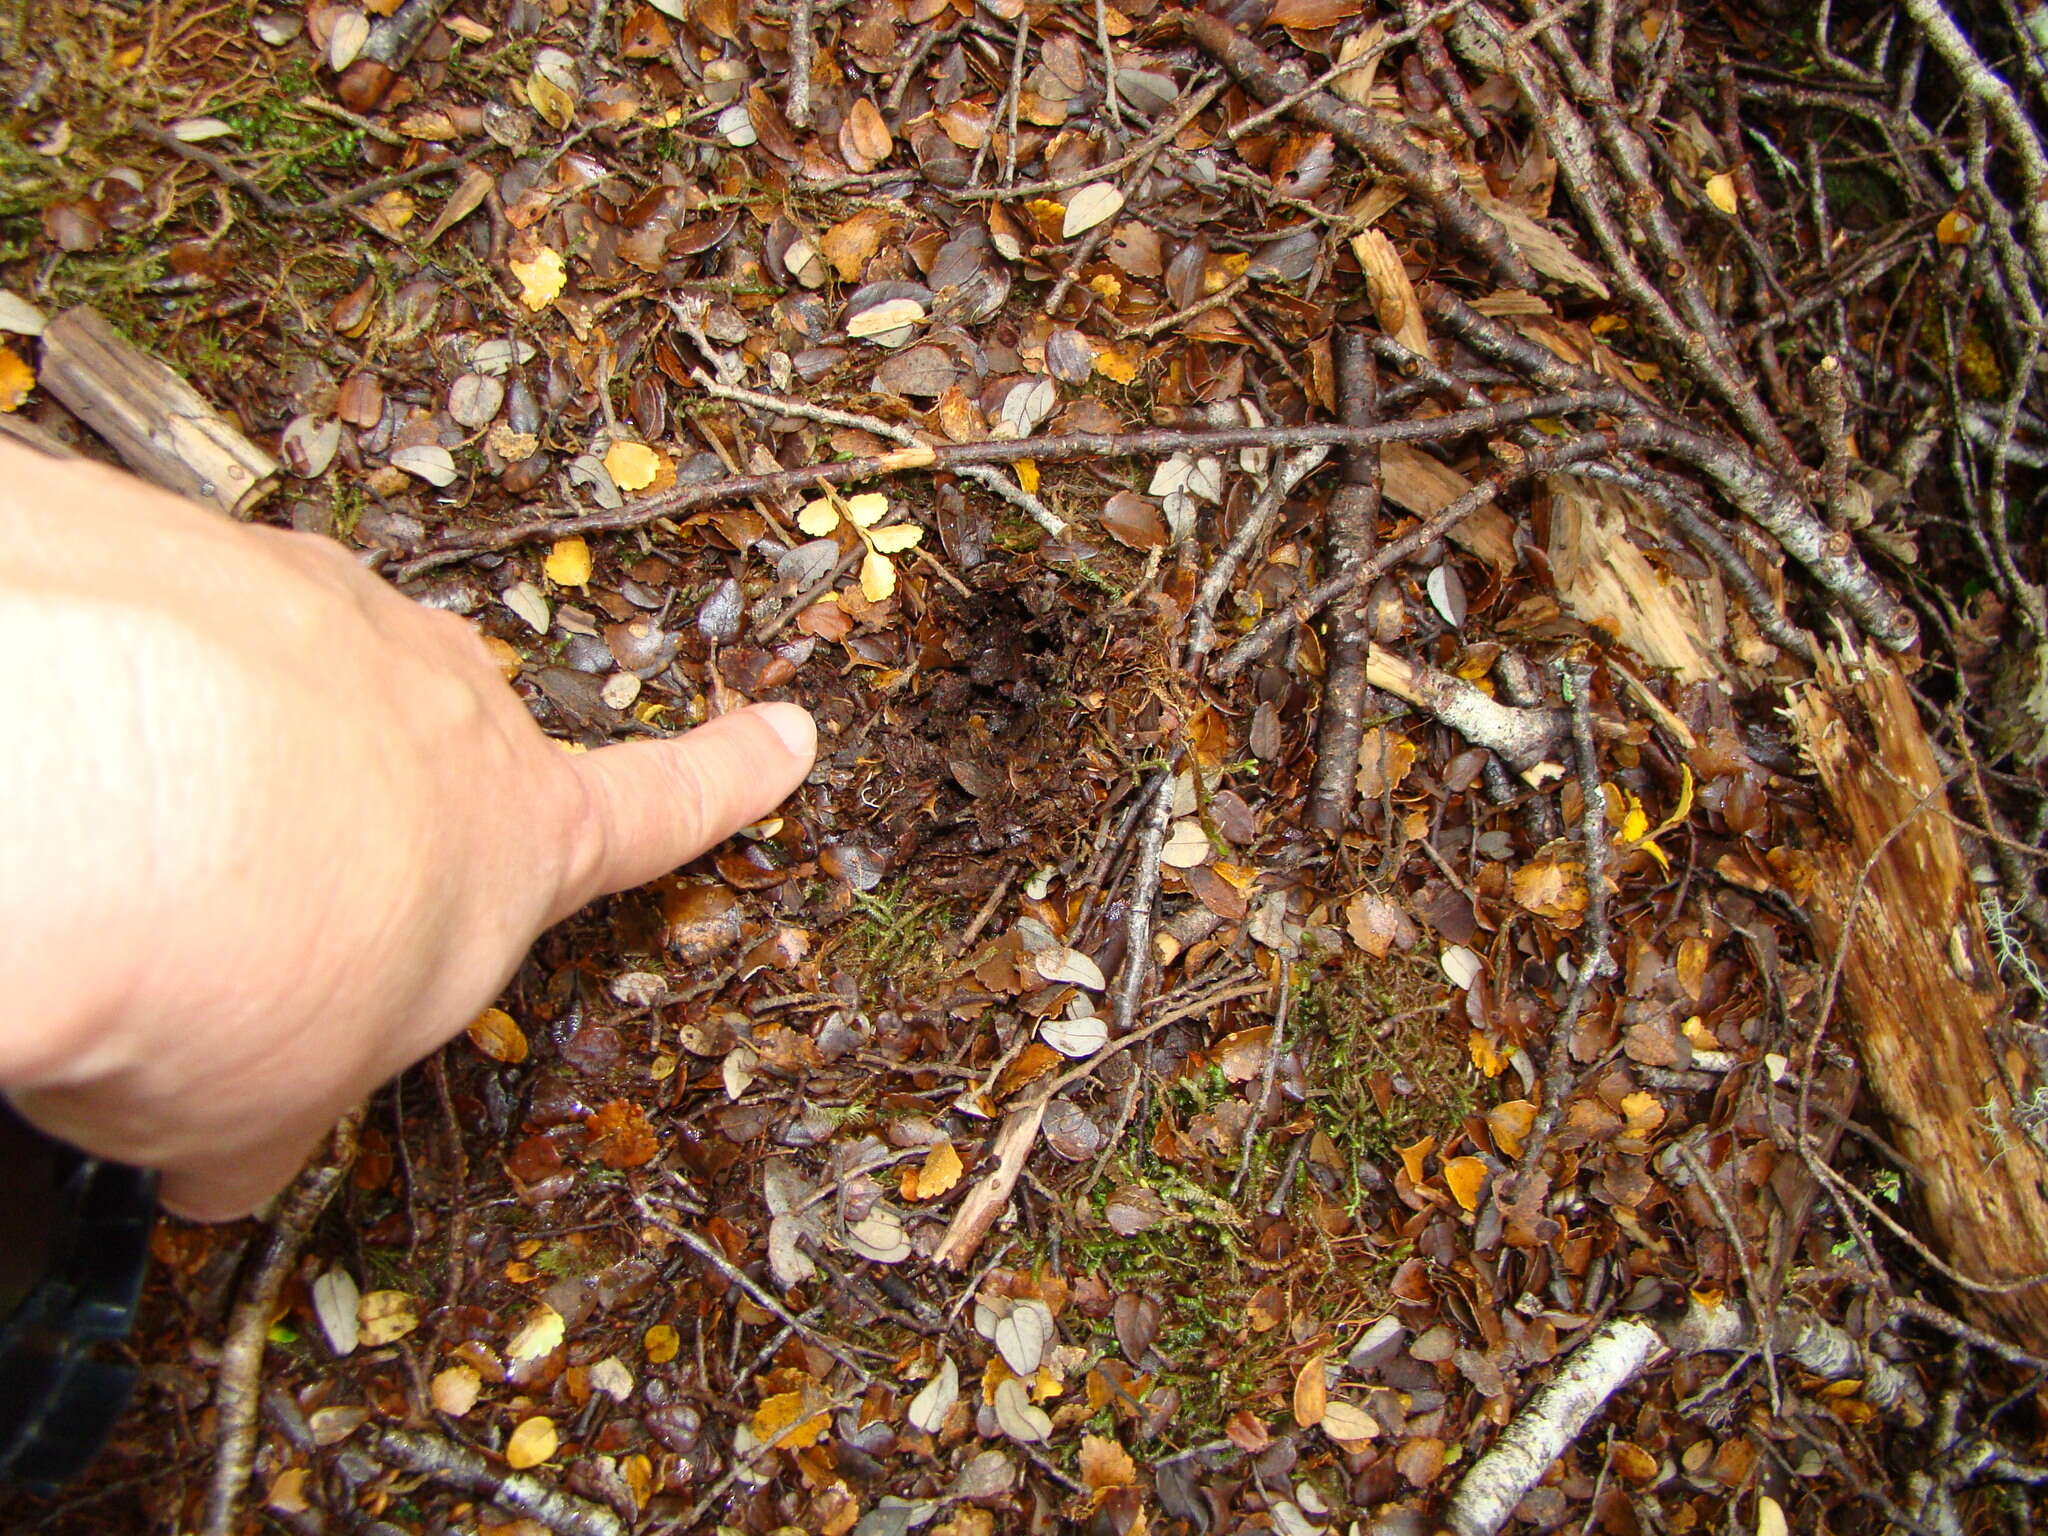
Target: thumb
[657, 804]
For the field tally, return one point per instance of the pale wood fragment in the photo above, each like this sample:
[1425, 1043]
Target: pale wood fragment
[1920, 994]
[156, 421]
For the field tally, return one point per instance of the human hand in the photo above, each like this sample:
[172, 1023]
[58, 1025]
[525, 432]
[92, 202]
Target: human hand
[272, 832]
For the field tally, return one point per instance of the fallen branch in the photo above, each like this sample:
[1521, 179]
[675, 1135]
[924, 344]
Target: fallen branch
[429, 1455]
[1057, 447]
[1351, 532]
[1524, 737]
[237, 1394]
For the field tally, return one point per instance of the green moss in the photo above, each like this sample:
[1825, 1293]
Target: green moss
[893, 936]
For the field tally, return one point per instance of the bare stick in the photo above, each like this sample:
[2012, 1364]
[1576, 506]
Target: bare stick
[1351, 530]
[430, 1455]
[802, 50]
[1258, 519]
[236, 1395]
[1276, 1042]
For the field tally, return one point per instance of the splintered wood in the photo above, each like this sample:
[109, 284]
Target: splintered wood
[1919, 993]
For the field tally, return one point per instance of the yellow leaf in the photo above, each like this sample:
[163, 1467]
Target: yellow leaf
[1635, 821]
[1484, 1056]
[877, 578]
[894, 538]
[1510, 1124]
[638, 1470]
[383, 1317]
[1117, 364]
[568, 563]
[939, 1173]
[1955, 228]
[16, 380]
[1412, 1156]
[532, 1443]
[1552, 886]
[1465, 1176]
[1721, 192]
[540, 1335]
[1105, 1464]
[785, 1422]
[550, 100]
[661, 1343]
[818, 518]
[495, 1034]
[1643, 1112]
[1684, 807]
[1027, 475]
[632, 466]
[1311, 1392]
[542, 279]
[866, 509]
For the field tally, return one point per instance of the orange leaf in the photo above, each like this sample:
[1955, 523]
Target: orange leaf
[1484, 1056]
[1510, 1124]
[1412, 1156]
[1466, 1176]
[661, 1343]
[621, 1136]
[1105, 1464]
[16, 380]
[495, 1034]
[1311, 1393]
[939, 1173]
[787, 1416]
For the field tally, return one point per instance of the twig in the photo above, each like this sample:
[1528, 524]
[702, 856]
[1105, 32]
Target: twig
[1350, 532]
[355, 120]
[430, 1455]
[1223, 567]
[1276, 1042]
[237, 1396]
[1055, 448]
[760, 1294]
[1144, 897]
[1182, 316]
[802, 51]
[1158, 139]
[1428, 172]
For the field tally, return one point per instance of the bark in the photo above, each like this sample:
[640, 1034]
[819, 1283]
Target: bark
[1919, 989]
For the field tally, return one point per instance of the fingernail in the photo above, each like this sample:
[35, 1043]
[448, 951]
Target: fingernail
[794, 726]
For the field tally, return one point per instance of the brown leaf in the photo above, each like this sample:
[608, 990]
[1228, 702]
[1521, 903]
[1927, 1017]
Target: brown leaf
[621, 1136]
[1136, 1320]
[864, 139]
[1105, 1464]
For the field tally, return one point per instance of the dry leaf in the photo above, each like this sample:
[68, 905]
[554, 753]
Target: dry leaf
[877, 577]
[1721, 192]
[864, 138]
[429, 462]
[887, 324]
[568, 563]
[495, 1034]
[1105, 1464]
[1018, 1416]
[786, 1421]
[1311, 1392]
[1393, 295]
[939, 1172]
[1465, 1176]
[1510, 1124]
[1088, 207]
[1075, 1037]
[1412, 1156]
[541, 279]
[929, 1408]
[1060, 963]
[1348, 1424]
[632, 466]
[1553, 885]
[532, 1443]
[16, 380]
[335, 1298]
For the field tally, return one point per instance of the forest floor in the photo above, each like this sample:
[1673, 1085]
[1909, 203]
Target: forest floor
[1418, 908]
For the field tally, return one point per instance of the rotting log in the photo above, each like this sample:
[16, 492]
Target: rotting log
[1919, 991]
[157, 422]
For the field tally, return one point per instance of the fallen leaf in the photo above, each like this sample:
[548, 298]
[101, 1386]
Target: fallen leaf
[16, 380]
[1465, 1177]
[1018, 1416]
[568, 564]
[429, 462]
[1348, 1424]
[621, 1137]
[1060, 963]
[1075, 1037]
[632, 466]
[495, 1034]
[541, 278]
[1510, 1124]
[939, 1172]
[935, 1400]
[1311, 1392]
[1412, 1156]
[455, 1390]
[532, 1443]
[786, 1421]
[661, 1342]
[335, 1298]
[1721, 192]
[879, 1236]
[541, 1334]
[382, 1317]
[877, 577]
[1105, 1464]
[1461, 965]
[1088, 207]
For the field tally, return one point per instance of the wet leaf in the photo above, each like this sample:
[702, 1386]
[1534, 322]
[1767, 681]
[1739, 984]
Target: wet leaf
[661, 1342]
[531, 1443]
[382, 1317]
[455, 1390]
[541, 1334]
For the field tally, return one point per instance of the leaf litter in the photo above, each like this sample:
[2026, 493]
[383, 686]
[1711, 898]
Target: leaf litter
[1000, 1203]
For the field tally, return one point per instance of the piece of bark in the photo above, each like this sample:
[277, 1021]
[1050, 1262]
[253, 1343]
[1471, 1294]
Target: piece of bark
[29, 435]
[1351, 531]
[1920, 994]
[156, 421]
